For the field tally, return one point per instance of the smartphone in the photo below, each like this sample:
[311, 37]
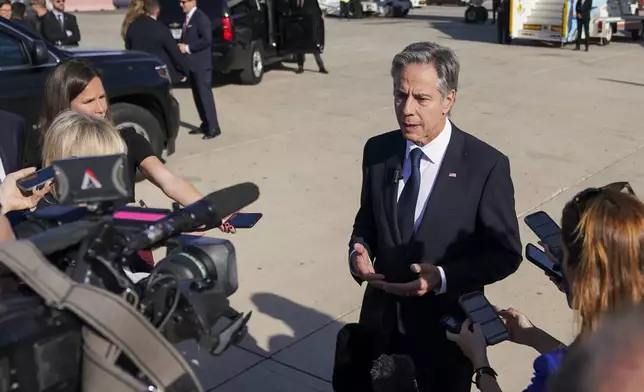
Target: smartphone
[479, 310]
[547, 230]
[451, 324]
[245, 220]
[34, 181]
[539, 258]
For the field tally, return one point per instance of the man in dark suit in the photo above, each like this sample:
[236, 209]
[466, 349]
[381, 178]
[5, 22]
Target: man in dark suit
[60, 27]
[19, 17]
[196, 41]
[38, 10]
[582, 14]
[437, 218]
[149, 35]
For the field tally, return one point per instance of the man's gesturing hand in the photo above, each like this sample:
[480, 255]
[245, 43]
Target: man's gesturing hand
[428, 279]
[362, 266]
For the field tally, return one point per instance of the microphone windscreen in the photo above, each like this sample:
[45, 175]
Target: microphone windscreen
[395, 373]
[232, 199]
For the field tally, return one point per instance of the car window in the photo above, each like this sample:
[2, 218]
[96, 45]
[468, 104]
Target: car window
[12, 52]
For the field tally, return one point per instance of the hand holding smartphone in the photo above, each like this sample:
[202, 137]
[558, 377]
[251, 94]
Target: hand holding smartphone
[547, 230]
[539, 258]
[244, 220]
[479, 310]
[36, 180]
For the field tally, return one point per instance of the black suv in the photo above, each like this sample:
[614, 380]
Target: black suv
[137, 84]
[241, 31]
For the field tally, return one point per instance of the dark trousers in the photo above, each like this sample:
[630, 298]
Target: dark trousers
[344, 9]
[201, 85]
[503, 29]
[583, 23]
[442, 368]
[318, 60]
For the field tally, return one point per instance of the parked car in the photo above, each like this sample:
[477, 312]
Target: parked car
[137, 84]
[241, 31]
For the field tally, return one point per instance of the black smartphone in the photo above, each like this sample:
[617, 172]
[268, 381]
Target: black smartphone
[479, 310]
[539, 258]
[547, 230]
[451, 324]
[35, 180]
[245, 220]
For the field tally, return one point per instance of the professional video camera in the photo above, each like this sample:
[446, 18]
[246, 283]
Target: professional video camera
[93, 241]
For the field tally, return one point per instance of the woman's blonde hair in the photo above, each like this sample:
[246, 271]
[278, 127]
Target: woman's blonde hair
[604, 237]
[134, 11]
[74, 134]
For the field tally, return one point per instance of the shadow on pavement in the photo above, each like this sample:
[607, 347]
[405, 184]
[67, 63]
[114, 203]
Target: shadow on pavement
[622, 82]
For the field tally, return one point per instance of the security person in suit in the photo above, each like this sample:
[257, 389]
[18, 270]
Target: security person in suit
[60, 27]
[582, 14]
[503, 23]
[146, 34]
[311, 7]
[196, 41]
[436, 214]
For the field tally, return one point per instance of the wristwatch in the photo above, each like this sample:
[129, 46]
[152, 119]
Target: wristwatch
[483, 371]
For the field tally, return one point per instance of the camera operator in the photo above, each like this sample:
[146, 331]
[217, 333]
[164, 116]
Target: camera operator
[602, 238]
[77, 85]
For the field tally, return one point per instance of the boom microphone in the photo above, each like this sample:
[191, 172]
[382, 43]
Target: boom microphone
[394, 373]
[208, 212]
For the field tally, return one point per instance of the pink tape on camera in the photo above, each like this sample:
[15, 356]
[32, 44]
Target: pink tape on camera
[138, 216]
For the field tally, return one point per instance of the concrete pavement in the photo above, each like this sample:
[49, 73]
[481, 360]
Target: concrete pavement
[566, 119]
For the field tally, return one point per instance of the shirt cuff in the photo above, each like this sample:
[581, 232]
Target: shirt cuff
[188, 49]
[443, 287]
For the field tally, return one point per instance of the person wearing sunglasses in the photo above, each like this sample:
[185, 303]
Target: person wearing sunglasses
[60, 27]
[603, 268]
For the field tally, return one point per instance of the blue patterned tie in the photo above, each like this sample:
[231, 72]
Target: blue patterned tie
[409, 197]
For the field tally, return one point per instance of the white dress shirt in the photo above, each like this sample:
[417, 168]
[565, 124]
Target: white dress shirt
[60, 17]
[3, 175]
[430, 163]
[188, 19]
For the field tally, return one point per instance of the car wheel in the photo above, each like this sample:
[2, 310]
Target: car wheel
[609, 36]
[471, 15]
[254, 70]
[482, 14]
[145, 123]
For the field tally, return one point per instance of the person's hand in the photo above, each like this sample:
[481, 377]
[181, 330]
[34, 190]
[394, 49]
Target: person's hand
[184, 79]
[362, 266]
[13, 199]
[561, 286]
[428, 279]
[227, 227]
[472, 343]
[182, 48]
[518, 325]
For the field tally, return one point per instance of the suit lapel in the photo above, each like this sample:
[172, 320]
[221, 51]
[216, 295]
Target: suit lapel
[393, 169]
[448, 186]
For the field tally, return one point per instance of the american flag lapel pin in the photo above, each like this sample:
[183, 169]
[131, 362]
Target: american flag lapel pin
[453, 175]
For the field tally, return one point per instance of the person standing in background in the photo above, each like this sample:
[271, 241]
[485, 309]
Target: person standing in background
[582, 14]
[311, 7]
[503, 24]
[60, 27]
[344, 8]
[38, 10]
[146, 34]
[5, 9]
[134, 10]
[19, 17]
[196, 42]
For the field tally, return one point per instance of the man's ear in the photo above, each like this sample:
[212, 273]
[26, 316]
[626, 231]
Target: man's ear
[448, 102]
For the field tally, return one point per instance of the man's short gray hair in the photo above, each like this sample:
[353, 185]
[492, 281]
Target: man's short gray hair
[441, 57]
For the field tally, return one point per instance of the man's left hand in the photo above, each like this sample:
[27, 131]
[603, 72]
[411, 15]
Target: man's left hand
[428, 279]
[182, 48]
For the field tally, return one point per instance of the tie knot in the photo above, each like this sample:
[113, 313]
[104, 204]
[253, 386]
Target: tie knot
[415, 156]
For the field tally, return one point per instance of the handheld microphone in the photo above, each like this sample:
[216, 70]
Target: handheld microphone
[394, 373]
[208, 212]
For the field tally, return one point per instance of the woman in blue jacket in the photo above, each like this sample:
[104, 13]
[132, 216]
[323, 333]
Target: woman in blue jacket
[603, 267]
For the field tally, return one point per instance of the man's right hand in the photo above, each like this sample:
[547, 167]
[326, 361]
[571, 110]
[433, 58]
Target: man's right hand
[362, 266]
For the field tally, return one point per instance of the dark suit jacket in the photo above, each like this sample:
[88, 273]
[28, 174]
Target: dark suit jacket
[12, 136]
[148, 35]
[26, 24]
[54, 33]
[583, 8]
[469, 228]
[198, 36]
[35, 21]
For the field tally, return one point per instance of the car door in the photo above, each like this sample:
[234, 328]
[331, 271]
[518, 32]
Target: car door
[301, 26]
[22, 83]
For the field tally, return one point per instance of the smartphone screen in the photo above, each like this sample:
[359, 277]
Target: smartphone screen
[480, 311]
[31, 182]
[539, 258]
[547, 230]
[245, 220]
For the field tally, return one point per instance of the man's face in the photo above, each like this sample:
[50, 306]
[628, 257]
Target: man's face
[188, 5]
[59, 5]
[5, 11]
[420, 109]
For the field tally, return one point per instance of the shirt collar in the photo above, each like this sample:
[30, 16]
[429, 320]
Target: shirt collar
[191, 12]
[57, 13]
[434, 150]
